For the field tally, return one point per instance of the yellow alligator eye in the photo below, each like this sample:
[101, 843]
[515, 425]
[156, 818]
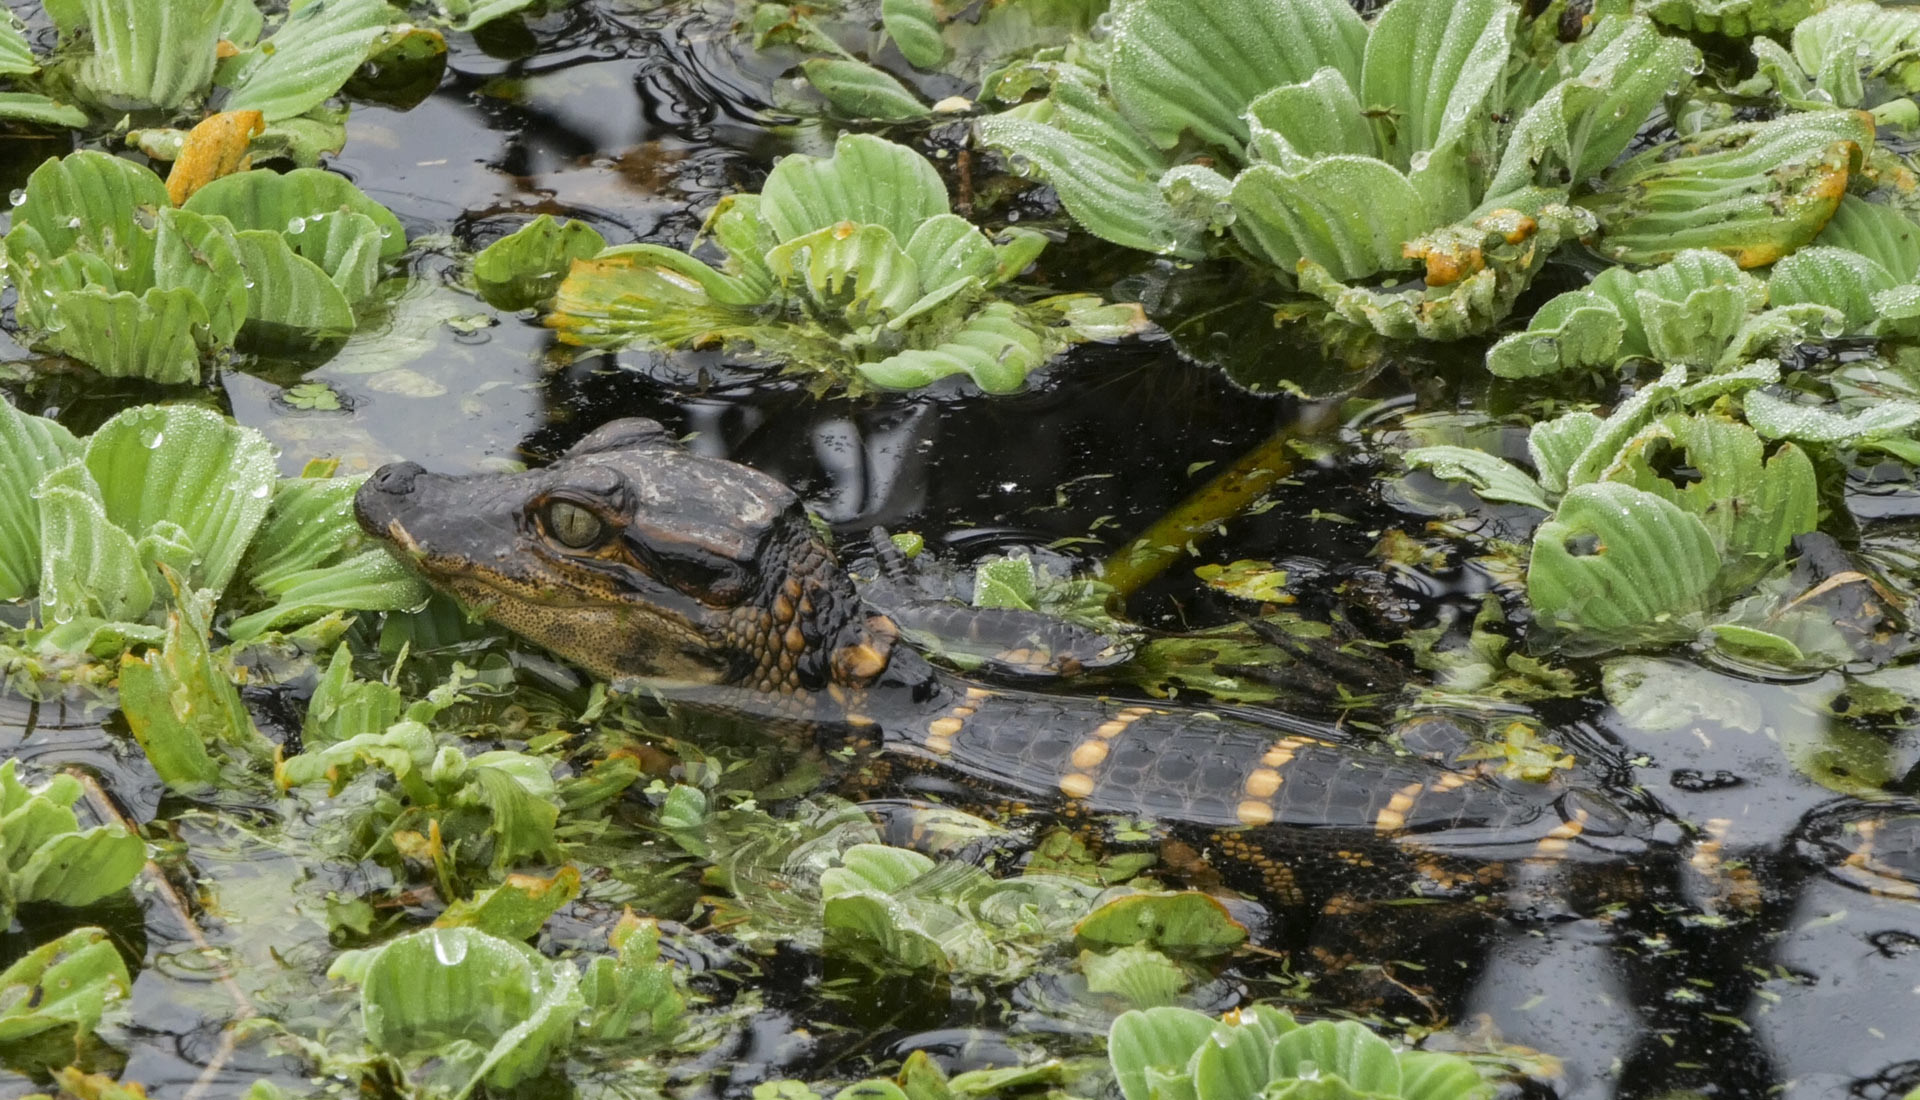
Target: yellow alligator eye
[574, 526]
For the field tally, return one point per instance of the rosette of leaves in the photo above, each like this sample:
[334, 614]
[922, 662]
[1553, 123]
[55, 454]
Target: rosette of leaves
[45, 857]
[1700, 310]
[98, 531]
[1857, 55]
[457, 1008]
[169, 56]
[849, 266]
[1630, 552]
[1412, 174]
[846, 62]
[111, 273]
[1263, 1051]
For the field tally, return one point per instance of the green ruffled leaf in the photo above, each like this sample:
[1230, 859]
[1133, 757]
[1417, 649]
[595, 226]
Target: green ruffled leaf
[89, 568]
[88, 202]
[1349, 215]
[30, 448]
[1614, 558]
[1179, 67]
[28, 107]
[16, 56]
[188, 466]
[1106, 173]
[1733, 18]
[858, 272]
[124, 335]
[276, 200]
[1346, 1050]
[311, 559]
[1607, 85]
[1777, 418]
[1878, 232]
[488, 1009]
[1833, 277]
[1155, 1045]
[524, 268]
[293, 300]
[307, 60]
[867, 181]
[1752, 505]
[149, 53]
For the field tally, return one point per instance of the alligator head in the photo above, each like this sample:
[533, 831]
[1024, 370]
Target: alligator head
[638, 560]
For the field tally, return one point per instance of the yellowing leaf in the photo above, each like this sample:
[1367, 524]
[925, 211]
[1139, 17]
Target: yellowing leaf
[216, 147]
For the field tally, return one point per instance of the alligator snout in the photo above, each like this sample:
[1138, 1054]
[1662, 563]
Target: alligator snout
[383, 495]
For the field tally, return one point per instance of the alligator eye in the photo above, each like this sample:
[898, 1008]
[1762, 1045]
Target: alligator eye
[573, 526]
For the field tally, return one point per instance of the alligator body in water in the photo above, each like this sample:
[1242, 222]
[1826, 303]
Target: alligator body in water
[704, 580]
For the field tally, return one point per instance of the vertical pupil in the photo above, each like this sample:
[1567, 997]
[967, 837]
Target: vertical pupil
[573, 525]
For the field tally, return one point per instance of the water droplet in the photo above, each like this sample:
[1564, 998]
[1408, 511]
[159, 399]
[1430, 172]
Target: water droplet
[449, 947]
[153, 441]
[248, 283]
[17, 196]
[1418, 162]
[1020, 164]
[296, 225]
[1224, 214]
[260, 492]
[73, 222]
[1102, 27]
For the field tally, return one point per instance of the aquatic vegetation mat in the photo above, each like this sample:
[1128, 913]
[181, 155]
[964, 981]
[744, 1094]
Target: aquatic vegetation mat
[1530, 710]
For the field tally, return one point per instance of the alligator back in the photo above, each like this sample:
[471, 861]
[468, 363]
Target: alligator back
[1227, 772]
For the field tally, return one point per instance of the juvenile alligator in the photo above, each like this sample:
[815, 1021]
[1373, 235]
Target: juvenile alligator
[703, 580]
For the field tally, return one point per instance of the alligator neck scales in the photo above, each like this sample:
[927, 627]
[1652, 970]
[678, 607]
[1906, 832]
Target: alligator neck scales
[640, 561]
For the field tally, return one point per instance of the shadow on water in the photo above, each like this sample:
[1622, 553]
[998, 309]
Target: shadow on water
[1767, 944]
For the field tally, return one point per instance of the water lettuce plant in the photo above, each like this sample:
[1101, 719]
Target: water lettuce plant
[1861, 277]
[170, 56]
[1630, 552]
[850, 267]
[110, 272]
[46, 857]
[457, 1008]
[1857, 55]
[1169, 1053]
[1413, 173]
[93, 529]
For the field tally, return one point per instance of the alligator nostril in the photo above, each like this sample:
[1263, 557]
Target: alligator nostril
[395, 478]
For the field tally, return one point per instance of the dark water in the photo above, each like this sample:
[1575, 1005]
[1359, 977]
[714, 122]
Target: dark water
[1771, 954]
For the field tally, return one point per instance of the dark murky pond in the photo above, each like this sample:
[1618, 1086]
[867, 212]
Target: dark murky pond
[1764, 942]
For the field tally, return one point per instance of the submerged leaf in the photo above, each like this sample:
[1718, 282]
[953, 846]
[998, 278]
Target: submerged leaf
[855, 89]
